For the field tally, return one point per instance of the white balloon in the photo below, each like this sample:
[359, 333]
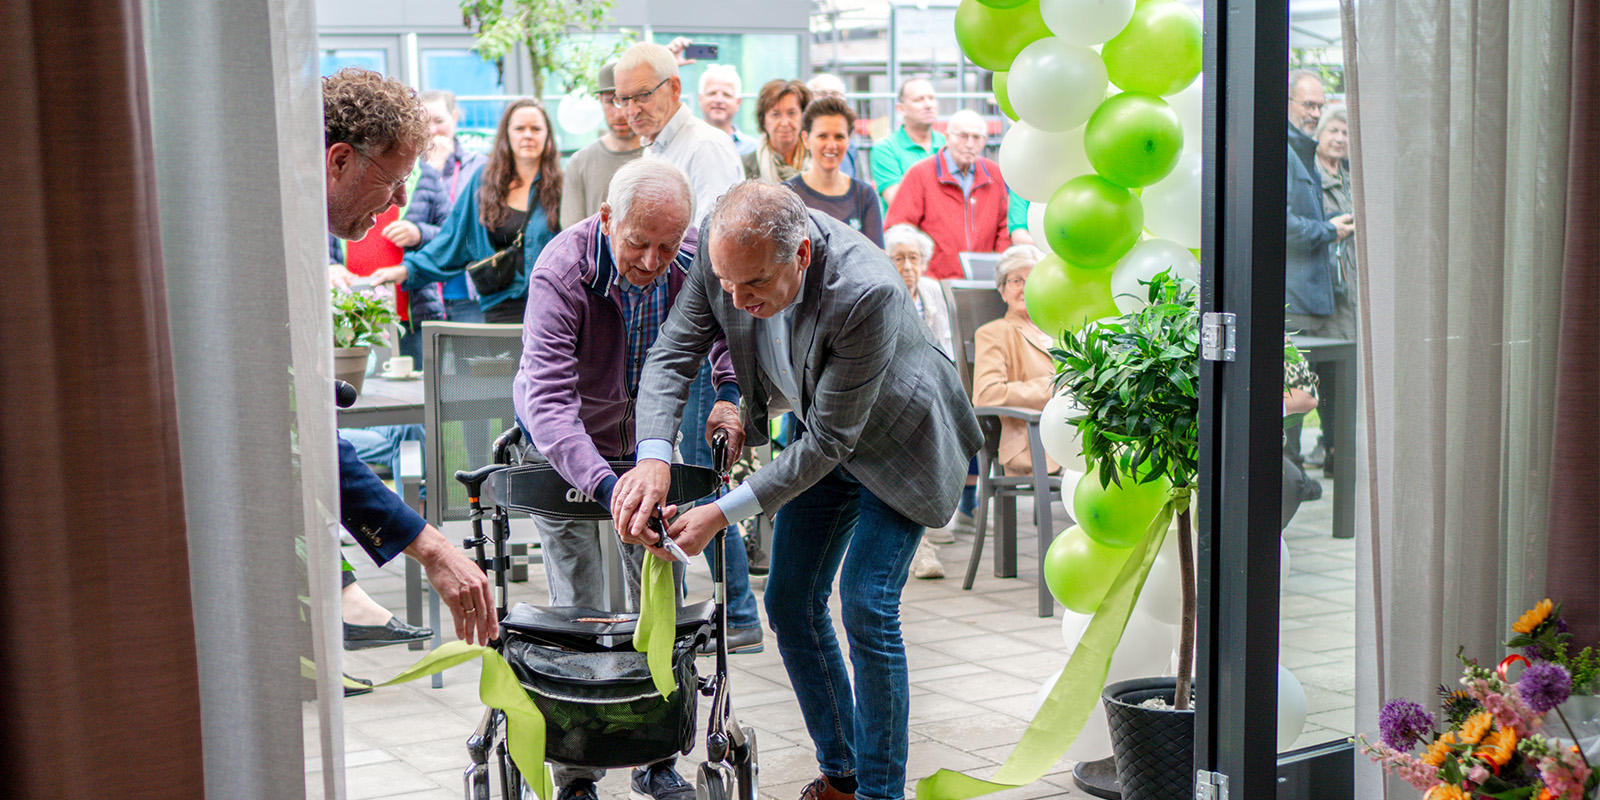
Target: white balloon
[1086, 21]
[1094, 741]
[1059, 433]
[1291, 708]
[1073, 625]
[1172, 204]
[1055, 85]
[1036, 221]
[1035, 163]
[1283, 563]
[1146, 260]
[579, 112]
[1162, 595]
[1145, 650]
[1187, 105]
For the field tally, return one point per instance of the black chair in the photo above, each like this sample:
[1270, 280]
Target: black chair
[972, 304]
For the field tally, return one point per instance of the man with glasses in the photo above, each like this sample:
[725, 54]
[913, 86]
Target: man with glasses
[650, 91]
[958, 197]
[1312, 287]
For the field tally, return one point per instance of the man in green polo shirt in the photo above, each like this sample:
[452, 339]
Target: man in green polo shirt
[915, 140]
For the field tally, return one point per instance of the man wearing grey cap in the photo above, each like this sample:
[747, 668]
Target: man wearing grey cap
[590, 169]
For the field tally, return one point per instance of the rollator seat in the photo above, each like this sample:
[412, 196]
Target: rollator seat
[539, 489]
[579, 628]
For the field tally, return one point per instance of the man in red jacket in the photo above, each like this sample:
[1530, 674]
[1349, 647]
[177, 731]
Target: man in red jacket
[957, 197]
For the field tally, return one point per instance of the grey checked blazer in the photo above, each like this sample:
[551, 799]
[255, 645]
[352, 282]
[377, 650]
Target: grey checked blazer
[880, 397]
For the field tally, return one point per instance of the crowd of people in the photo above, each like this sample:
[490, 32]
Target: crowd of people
[681, 277]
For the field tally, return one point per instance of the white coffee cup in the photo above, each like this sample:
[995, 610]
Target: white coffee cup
[398, 367]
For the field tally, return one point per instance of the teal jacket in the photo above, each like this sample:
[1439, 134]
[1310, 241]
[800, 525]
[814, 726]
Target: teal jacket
[463, 240]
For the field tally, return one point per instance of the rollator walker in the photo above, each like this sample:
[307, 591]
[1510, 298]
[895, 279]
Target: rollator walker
[578, 665]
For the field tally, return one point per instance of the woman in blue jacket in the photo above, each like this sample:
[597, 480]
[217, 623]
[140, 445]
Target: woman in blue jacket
[515, 197]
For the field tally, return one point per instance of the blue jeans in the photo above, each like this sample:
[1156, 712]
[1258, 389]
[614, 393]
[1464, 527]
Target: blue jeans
[694, 450]
[839, 521]
[381, 445]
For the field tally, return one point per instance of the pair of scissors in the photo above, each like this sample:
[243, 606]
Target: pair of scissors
[665, 542]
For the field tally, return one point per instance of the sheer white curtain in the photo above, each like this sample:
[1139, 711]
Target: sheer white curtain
[1460, 125]
[237, 120]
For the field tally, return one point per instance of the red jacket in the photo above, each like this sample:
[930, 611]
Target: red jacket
[930, 198]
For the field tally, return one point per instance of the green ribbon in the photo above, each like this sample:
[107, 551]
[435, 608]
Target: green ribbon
[498, 687]
[658, 623]
[1073, 697]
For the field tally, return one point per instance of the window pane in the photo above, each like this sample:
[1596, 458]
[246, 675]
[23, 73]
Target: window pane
[334, 60]
[759, 57]
[459, 70]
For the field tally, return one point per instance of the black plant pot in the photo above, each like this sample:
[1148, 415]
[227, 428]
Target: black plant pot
[1154, 747]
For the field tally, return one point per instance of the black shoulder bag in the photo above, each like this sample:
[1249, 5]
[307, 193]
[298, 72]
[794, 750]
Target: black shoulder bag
[495, 273]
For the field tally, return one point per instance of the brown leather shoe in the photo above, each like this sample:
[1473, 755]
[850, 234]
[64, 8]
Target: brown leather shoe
[820, 789]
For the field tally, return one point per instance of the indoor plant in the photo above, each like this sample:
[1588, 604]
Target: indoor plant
[360, 320]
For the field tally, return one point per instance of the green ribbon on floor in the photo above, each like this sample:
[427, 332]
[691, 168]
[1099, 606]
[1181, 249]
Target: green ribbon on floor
[1072, 699]
[658, 622]
[498, 687]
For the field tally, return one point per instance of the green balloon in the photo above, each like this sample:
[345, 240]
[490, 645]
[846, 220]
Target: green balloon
[1000, 98]
[1159, 52]
[1079, 570]
[992, 37]
[1004, 3]
[1118, 516]
[1092, 222]
[1133, 139]
[1062, 298]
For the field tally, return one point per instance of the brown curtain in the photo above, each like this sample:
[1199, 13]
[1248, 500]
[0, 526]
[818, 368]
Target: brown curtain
[98, 686]
[1574, 544]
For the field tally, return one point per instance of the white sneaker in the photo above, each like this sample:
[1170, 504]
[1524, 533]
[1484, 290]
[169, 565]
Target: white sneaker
[926, 563]
[939, 536]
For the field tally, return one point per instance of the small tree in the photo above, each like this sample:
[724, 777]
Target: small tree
[545, 30]
[1135, 377]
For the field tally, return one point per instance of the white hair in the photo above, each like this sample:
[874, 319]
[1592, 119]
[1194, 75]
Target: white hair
[656, 181]
[970, 117]
[906, 233]
[760, 211]
[663, 64]
[826, 82]
[1017, 256]
[722, 72]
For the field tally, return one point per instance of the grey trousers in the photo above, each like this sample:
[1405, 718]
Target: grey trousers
[574, 569]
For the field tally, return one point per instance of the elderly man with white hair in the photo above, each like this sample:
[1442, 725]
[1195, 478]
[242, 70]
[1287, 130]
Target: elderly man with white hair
[602, 289]
[719, 98]
[958, 197]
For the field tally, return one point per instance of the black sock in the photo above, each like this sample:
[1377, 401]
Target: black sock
[846, 784]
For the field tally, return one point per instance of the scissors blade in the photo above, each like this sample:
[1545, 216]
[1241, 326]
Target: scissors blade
[658, 524]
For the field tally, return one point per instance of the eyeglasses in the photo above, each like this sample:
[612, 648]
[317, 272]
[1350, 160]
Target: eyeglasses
[1015, 281]
[906, 258]
[394, 183]
[1310, 105]
[643, 97]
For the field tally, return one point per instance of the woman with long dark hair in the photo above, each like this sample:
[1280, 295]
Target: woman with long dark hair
[502, 219]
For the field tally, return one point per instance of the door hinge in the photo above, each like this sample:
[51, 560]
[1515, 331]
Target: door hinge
[1210, 785]
[1217, 336]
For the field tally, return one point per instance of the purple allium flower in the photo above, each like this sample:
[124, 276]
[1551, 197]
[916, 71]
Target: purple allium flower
[1402, 723]
[1544, 686]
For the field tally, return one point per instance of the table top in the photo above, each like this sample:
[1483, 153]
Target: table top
[384, 402]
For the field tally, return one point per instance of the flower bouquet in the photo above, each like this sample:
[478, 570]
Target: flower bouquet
[1500, 739]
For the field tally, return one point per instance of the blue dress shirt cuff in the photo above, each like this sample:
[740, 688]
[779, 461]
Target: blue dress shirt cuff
[739, 504]
[658, 449]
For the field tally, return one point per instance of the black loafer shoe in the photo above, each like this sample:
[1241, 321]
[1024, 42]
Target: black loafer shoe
[740, 640]
[356, 686]
[362, 637]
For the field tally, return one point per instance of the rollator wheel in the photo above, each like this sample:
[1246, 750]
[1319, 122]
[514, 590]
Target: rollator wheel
[714, 782]
[746, 767]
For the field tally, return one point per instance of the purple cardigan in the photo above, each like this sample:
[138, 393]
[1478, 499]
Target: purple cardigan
[570, 391]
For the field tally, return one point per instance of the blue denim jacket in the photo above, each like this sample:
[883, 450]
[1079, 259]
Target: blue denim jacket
[1308, 257]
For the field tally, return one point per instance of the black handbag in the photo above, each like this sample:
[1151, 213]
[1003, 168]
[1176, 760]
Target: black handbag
[495, 273]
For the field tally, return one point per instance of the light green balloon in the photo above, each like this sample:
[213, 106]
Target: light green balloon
[1118, 516]
[992, 37]
[1159, 52]
[1079, 570]
[1004, 3]
[1000, 98]
[1091, 222]
[1062, 298]
[1133, 139]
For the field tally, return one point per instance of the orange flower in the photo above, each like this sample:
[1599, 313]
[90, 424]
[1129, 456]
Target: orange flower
[1445, 791]
[1440, 748]
[1498, 747]
[1475, 727]
[1544, 794]
[1534, 617]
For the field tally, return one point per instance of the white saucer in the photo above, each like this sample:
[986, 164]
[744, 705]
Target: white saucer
[400, 376]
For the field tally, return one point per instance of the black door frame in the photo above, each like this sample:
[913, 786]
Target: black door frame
[1243, 201]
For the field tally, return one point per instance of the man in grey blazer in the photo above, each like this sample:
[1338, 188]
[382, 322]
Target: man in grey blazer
[817, 321]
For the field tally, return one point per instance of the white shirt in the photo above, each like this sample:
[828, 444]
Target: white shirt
[704, 153]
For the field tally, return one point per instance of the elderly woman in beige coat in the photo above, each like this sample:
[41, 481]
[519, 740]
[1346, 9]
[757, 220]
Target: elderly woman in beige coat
[1012, 365]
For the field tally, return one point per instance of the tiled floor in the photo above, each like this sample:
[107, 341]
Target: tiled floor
[977, 661]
